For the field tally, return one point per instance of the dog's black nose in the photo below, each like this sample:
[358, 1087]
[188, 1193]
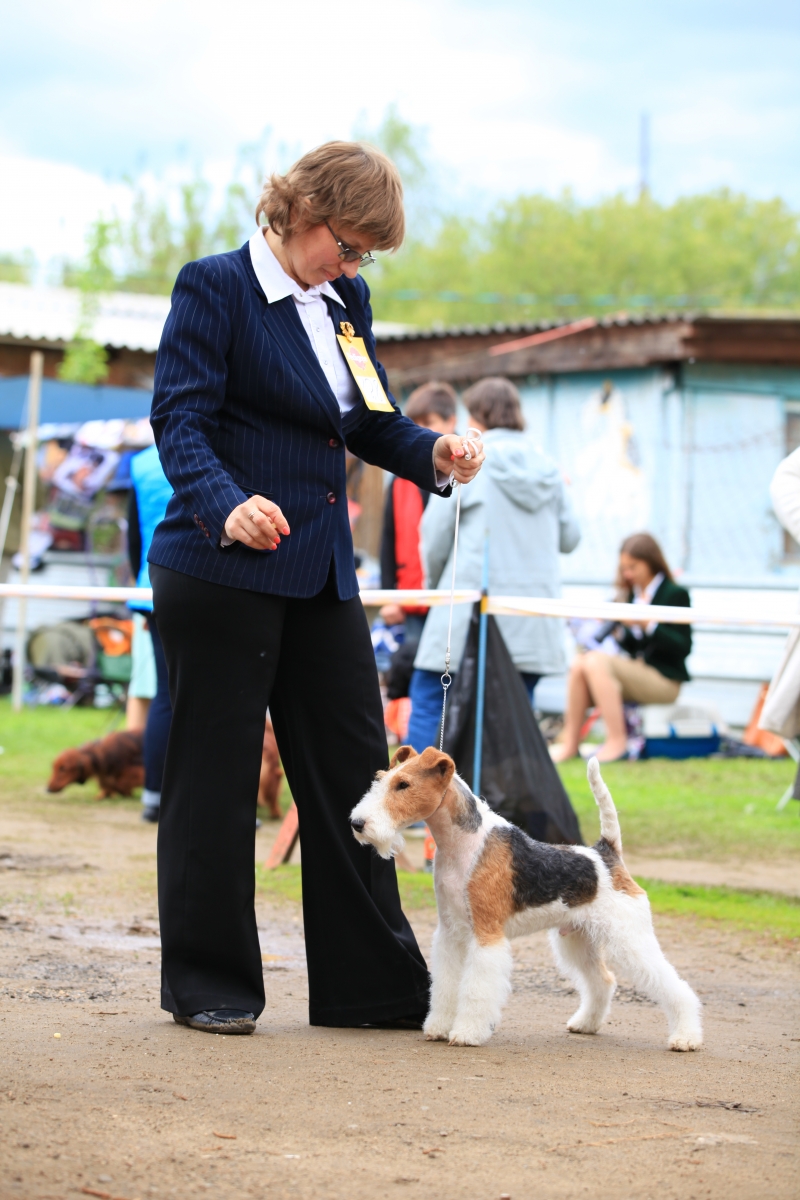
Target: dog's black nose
[357, 823]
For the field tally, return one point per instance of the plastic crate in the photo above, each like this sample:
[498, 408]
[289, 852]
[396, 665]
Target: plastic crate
[676, 746]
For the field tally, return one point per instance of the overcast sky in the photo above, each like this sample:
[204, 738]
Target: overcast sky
[514, 96]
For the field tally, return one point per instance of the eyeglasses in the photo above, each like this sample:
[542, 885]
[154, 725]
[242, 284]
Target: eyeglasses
[347, 254]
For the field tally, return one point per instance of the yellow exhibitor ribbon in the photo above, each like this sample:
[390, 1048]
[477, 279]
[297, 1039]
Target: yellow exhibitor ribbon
[360, 364]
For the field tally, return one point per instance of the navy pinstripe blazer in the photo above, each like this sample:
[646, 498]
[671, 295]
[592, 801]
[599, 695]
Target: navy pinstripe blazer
[242, 406]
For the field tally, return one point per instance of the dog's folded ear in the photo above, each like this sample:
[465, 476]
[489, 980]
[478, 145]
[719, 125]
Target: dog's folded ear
[401, 755]
[438, 762]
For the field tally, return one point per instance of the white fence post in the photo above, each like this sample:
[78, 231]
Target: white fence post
[28, 500]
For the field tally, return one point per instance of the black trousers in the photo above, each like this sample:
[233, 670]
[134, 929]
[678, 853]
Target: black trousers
[159, 718]
[230, 654]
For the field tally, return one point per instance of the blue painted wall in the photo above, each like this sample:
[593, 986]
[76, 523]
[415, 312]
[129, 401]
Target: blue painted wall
[67, 402]
[686, 454]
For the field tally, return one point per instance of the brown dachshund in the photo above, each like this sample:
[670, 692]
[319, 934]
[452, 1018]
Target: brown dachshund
[116, 761]
[269, 785]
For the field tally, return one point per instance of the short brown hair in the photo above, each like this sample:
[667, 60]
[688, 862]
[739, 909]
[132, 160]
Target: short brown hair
[437, 399]
[645, 548]
[350, 184]
[495, 402]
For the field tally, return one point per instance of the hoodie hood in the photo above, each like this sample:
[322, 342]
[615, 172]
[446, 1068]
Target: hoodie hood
[528, 478]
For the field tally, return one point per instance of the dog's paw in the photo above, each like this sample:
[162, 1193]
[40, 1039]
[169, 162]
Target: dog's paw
[464, 1035]
[686, 1041]
[436, 1030]
[582, 1024]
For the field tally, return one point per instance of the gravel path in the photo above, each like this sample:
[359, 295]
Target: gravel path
[124, 1103]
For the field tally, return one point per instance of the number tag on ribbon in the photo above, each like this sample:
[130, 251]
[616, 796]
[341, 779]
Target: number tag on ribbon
[360, 364]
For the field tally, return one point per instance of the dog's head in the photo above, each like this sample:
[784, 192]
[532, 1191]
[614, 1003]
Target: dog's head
[71, 766]
[411, 790]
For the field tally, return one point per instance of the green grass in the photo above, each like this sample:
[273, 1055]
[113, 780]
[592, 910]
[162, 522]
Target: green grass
[31, 739]
[757, 912]
[284, 883]
[706, 809]
[700, 808]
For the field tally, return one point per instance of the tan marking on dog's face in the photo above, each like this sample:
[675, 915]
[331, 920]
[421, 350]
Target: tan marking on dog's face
[491, 891]
[415, 790]
[622, 881]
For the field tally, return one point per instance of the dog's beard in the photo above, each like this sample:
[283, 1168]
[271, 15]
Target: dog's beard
[387, 847]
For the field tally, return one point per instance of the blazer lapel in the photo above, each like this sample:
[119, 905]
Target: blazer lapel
[283, 323]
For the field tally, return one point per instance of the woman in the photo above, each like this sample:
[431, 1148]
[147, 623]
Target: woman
[652, 666]
[521, 500]
[256, 597]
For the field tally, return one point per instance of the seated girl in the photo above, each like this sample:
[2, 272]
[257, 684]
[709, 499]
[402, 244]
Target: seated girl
[652, 667]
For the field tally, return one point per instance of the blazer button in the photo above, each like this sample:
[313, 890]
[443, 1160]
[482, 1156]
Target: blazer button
[331, 498]
[334, 443]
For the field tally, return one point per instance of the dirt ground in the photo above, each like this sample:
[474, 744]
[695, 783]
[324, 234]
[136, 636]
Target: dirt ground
[102, 1094]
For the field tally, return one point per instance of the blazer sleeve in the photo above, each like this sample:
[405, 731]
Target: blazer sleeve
[674, 640]
[390, 440]
[190, 378]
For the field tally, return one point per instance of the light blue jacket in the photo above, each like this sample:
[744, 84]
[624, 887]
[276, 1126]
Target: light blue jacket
[153, 493]
[520, 497]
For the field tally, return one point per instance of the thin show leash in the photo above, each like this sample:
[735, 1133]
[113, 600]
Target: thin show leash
[471, 442]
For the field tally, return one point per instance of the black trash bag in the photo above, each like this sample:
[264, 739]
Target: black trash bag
[518, 777]
[401, 668]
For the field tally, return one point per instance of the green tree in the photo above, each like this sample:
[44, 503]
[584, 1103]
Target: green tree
[16, 268]
[536, 257]
[85, 360]
[530, 257]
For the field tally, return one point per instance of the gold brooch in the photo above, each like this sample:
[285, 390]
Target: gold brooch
[347, 330]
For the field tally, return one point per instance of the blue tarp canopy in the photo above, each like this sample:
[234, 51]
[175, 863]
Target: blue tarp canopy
[62, 402]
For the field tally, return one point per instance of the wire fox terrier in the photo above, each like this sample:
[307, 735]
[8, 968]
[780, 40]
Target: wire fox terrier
[493, 882]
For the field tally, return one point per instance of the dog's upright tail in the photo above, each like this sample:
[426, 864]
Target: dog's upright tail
[609, 821]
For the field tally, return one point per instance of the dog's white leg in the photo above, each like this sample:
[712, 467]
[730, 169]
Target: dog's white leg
[447, 965]
[635, 952]
[485, 987]
[581, 961]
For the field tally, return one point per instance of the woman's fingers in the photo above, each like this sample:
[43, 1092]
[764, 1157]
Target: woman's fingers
[259, 504]
[466, 469]
[257, 523]
[452, 455]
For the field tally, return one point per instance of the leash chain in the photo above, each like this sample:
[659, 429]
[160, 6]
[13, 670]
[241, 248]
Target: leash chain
[447, 678]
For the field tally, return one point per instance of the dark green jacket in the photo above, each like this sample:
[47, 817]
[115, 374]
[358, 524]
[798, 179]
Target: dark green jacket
[669, 646]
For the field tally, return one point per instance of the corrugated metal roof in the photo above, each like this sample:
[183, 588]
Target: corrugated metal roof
[48, 314]
[126, 320]
[414, 333]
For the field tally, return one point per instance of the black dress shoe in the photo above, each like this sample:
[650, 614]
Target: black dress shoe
[411, 1021]
[219, 1020]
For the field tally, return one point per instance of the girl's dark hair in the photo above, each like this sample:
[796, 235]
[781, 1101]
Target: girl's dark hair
[644, 547]
[432, 399]
[495, 402]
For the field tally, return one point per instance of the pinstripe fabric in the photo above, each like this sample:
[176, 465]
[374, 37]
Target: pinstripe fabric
[241, 406]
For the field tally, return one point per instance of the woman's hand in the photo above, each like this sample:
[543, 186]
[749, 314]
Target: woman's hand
[449, 455]
[257, 523]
